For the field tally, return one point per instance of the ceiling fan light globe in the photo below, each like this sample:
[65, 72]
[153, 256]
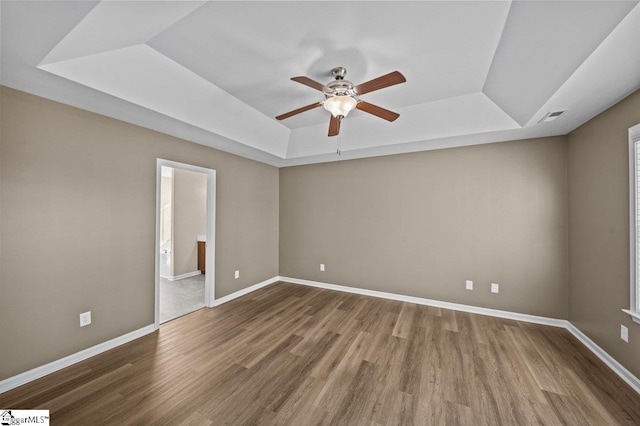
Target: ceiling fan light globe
[340, 105]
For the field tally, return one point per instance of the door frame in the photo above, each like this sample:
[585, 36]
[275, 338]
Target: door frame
[210, 276]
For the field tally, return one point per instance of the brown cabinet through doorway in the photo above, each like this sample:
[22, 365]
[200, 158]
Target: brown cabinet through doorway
[202, 256]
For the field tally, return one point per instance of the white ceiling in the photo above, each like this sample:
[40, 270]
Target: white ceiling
[217, 73]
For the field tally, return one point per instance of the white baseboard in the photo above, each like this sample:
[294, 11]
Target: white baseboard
[183, 276]
[235, 295]
[618, 368]
[431, 302]
[614, 365]
[43, 370]
[38, 372]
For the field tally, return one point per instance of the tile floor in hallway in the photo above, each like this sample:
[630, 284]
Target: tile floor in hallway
[180, 297]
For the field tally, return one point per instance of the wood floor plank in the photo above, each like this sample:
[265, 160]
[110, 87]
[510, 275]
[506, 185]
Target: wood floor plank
[449, 321]
[406, 321]
[541, 369]
[299, 401]
[385, 326]
[295, 355]
[519, 369]
[340, 378]
[352, 408]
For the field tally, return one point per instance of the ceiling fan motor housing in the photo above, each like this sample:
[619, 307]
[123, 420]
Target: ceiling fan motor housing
[340, 88]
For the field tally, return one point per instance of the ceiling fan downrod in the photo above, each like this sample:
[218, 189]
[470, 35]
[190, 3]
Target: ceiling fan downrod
[339, 73]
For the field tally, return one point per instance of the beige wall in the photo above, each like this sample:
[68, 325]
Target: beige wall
[75, 236]
[598, 175]
[416, 224]
[189, 219]
[421, 224]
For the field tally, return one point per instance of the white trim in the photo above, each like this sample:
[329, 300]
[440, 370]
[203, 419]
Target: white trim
[634, 315]
[183, 276]
[209, 280]
[210, 260]
[43, 370]
[235, 295]
[617, 368]
[156, 247]
[431, 302]
[634, 297]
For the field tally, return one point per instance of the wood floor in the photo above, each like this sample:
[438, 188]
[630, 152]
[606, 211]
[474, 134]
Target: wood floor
[290, 354]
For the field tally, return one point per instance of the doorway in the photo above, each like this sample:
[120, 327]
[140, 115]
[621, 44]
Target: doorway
[185, 253]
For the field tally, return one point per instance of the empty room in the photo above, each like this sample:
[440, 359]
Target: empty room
[320, 212]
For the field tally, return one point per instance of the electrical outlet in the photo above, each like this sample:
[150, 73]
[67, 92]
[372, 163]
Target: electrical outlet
[236, 275]
[469, 285]
[495, 288]
[624, 333]
[85, 318]
[322, 267]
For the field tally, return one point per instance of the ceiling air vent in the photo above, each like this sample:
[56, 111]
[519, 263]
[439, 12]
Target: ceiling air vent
[551, 116]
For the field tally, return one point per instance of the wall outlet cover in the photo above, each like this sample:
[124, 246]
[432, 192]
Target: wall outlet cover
[236, 275]
[469, 285]
[624, 333]
[85, 318]
[322, 267]
[495, 288]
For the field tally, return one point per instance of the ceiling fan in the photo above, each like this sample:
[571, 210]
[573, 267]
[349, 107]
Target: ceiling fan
[341, 96]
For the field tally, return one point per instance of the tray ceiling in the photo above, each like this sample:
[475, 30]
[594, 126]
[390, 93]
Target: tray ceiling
[217, 73]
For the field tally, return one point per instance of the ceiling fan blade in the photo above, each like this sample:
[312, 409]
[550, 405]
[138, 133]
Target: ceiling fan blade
[311, 83]
[298, 111]
[377, 111]
[334, 126]
[386, 80]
